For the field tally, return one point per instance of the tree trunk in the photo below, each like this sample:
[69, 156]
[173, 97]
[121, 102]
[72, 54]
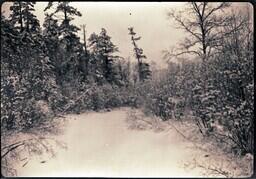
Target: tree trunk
[85, 53]
[20, 20]
[106, 69]
[27, 23]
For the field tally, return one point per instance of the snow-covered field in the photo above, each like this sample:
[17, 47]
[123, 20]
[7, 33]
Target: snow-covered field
[102, 145]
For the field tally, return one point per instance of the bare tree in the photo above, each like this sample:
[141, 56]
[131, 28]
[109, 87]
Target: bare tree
[206, 25]
[201, 21]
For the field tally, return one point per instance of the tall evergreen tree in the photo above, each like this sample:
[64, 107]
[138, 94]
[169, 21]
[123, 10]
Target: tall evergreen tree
[67, 30]
[23, 18]
[51, 40]
[103, 51]
[143, 67]
[70, 46]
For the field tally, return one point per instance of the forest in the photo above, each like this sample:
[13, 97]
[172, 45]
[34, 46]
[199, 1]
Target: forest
[48, 71]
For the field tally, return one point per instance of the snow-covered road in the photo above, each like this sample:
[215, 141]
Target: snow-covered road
[101, 145]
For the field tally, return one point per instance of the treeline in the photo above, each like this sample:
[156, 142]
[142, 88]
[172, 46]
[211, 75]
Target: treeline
[51, 66]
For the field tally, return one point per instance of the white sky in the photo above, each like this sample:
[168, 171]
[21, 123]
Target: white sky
[149, 20]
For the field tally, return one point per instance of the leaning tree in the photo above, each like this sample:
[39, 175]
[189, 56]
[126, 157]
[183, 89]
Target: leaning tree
[143, 67]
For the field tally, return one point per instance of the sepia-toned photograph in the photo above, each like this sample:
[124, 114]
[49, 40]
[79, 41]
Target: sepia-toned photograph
[127, 89]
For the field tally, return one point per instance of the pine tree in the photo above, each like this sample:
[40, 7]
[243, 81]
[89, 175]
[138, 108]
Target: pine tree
[70, 46]
[25, 34]
[23, 18]
[143, 67]
[84, 59]
[67, 30]
[51, 41]
[103, 49]
[8, 69]
[9, 42]
[124, 71]
[17, 18]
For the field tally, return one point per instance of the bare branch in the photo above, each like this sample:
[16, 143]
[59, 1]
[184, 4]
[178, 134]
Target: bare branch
[204, 5]
[204, 28]
[169, 55]
[221, 6]
[184, 26]
[216, 170]
[11, 149]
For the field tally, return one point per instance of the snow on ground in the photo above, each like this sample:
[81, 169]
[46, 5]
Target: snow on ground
[102, 145]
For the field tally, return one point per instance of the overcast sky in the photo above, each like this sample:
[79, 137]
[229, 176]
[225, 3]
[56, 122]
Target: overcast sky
[149, 20]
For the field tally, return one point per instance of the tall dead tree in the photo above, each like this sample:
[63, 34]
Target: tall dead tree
[86, 54]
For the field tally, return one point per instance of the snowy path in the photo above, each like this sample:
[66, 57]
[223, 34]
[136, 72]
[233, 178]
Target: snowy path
[101, 145]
